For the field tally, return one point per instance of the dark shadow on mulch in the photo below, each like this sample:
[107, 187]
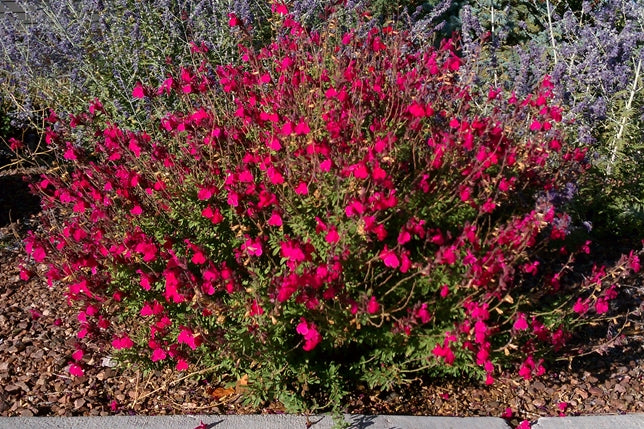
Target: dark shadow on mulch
[16, 202]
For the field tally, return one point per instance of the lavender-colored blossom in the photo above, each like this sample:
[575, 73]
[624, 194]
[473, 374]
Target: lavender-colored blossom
[590, 54]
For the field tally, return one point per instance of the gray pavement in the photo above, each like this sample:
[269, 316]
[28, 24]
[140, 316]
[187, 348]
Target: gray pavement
[629, 421]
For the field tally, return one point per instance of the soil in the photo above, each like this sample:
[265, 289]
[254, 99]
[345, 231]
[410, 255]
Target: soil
[37, 337]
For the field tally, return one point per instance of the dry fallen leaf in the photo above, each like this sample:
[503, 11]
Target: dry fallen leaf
[219, 393]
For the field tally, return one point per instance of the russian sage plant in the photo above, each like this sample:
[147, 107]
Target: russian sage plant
[65, 50]
[594, 52]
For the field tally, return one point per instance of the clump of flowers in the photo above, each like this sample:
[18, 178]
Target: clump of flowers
[335, 209]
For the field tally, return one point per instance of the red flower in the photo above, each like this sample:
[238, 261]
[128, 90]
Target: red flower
[373, 306]
[310, 333]
[233, 21]
[389, 258]
[158, 354]
[279, 8]
[186, 336]
[138, 91]
[521, 324]
[76, 370]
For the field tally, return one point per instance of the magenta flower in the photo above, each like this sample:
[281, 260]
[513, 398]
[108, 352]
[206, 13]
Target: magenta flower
[78, 355]
[580, 307]
[521, 324]
[146, 279]
[136, 210]
[423, 314]
[302, 189]
[444, 291]
[253, 247]
[416, 110]
[634, 262]
[389, 258]
[122, 342]
[273, 143]
[292, 251]
[215, 215]
[182, 365]
[279, 8]
[287, 129]
[25, 274]
[70, 154]
[233, 21]
[444, 352]
[158, 354]
[601, 305]
[255, 309]
[372, 305]
[275, 219]
[76, 370]
[274, 176]
[147, 310]
[188, 337]
[138, 91]
[332, 236]
[310, 333]
[465, 194]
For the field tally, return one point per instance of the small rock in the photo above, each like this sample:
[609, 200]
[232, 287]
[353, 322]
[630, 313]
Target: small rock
[595, 391]
[11, 388]
[591, 379]
[26, 413]
[620, 388]
[79, 403]
[582, 393]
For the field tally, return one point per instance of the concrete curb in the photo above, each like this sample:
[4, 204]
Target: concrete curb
[250, 422]
[628, 421]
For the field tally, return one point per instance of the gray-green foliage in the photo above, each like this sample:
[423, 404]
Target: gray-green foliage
[67, 52]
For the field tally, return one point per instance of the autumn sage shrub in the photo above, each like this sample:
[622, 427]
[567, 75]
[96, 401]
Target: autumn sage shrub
[336, 209]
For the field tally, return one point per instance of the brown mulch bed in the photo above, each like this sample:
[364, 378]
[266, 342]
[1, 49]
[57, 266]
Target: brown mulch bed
[37, 337]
